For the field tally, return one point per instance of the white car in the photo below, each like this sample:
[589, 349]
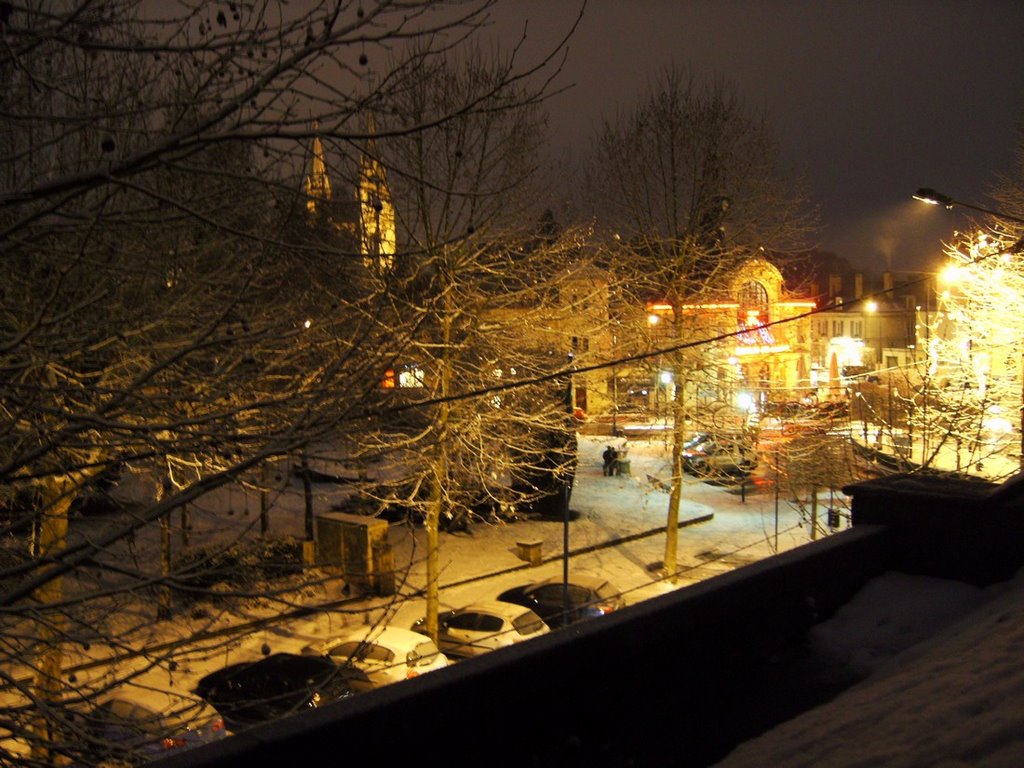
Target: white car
[724, 455]
[484, 626]
[384, 654]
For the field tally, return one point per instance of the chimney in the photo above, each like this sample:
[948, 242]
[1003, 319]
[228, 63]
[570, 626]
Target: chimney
[835, 286]
[858, 286]
[887, 283]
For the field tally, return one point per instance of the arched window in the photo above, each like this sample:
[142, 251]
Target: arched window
[752, 296]
[753, 304]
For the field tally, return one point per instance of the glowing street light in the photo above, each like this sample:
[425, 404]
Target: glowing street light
[951, 274]
[932, 197]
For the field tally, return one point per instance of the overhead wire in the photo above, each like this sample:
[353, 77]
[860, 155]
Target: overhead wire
[573, 370]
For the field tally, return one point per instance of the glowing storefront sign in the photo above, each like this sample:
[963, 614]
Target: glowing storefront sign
[757, 339]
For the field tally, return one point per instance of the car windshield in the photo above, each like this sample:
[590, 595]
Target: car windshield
[362, 652]
[462, 621]
[489, 623]
[554, 594]
[527, 623]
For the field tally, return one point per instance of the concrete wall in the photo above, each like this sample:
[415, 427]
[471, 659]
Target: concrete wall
[964, 529]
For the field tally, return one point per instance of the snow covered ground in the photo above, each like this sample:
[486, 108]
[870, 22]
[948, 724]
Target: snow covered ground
[483, 561]
[943, 689]
[946, 685]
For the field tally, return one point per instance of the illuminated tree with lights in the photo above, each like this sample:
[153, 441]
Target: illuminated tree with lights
[687, 181]
[974, 362]
[164, 323]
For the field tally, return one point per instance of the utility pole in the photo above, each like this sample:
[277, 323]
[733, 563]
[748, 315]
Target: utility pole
[569, 403]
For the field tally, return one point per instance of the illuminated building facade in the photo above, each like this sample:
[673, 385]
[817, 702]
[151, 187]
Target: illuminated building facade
[863, 336]
[739, 347]
[763, 354]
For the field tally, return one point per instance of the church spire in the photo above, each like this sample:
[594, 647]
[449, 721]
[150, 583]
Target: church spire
[318, 184]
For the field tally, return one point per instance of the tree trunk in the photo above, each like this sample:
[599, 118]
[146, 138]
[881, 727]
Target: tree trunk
[186, 524]
[53, 529]
[433, 527]
[676, 492]
[264, 503]
[440, 472]
[163, 606]
[307, 494]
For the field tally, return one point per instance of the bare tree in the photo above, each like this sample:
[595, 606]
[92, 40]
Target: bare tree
[478, 282]
[164, 315]
[811, 465]
[1008, 189]
[687, 182]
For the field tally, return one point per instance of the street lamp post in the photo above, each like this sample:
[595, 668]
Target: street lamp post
[615, 388]
[932, 197]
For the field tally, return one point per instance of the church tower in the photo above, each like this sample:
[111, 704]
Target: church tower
[368, 217]
[318, 183]
[376, 210]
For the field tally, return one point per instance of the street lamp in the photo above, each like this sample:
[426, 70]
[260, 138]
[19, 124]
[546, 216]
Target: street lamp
[932, 197]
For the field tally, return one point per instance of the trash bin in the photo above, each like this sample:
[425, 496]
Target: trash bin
[530, 551]
[622, 467]
[356, 546]
[833, 518]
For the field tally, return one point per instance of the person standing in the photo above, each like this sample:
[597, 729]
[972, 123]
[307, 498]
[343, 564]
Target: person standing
[609, 461]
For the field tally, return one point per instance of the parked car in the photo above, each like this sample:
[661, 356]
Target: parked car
[696, 441]
[384, 654]
[706, 454]
[255, 692]
[630, 409]
[118, 728]
[484, 626]
[588, 596]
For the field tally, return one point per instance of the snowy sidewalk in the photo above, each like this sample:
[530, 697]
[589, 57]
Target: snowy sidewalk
[617, 531]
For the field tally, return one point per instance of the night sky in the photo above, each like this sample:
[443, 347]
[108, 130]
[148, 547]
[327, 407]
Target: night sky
[869, 100]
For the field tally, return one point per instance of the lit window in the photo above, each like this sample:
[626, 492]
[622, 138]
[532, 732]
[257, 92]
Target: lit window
[753, 297]
[411, 377]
